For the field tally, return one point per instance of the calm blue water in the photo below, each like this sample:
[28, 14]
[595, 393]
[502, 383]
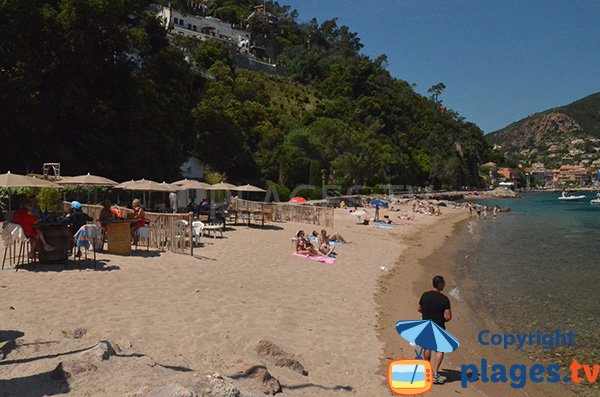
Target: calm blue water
[539, 266]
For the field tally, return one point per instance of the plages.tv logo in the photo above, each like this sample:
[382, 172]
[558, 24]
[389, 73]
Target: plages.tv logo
[409, 377]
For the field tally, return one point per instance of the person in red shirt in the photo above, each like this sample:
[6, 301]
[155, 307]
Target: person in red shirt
[26, 218]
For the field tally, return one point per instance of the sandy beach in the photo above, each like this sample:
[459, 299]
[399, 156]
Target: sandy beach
[175, 318]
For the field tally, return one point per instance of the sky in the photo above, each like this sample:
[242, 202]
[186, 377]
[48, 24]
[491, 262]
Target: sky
[500, 60]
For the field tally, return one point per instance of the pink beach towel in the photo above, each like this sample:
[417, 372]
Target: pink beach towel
[328, 260]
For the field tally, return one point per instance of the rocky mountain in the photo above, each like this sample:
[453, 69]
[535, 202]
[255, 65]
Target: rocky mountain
[564, 135]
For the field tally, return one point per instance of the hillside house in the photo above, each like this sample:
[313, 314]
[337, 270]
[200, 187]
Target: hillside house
[507, 174]
[204, 28]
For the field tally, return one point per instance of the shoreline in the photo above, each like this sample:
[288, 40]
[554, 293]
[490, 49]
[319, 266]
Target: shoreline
[432, 251]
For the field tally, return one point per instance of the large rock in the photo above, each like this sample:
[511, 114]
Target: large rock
[269, 384]
[102, 351]
[215, 385]
[279, 357]
[172, 390]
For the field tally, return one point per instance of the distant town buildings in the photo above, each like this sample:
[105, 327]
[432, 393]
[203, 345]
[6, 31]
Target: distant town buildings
[538, 175]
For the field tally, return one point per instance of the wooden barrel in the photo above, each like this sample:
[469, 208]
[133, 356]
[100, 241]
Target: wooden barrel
[118, 234]
[58, 236]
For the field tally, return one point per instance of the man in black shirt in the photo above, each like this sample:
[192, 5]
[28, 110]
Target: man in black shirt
[435, 306]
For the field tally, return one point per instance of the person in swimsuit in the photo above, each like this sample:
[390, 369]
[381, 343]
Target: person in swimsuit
[333, 237]
[324, 247]
[303, 246]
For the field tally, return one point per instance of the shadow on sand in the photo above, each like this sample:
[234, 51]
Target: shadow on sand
[252, 370]
[37, 385]
[100, 266]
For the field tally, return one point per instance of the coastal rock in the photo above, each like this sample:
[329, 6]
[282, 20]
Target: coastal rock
[215, 385]
[102, 351]
[279, 357]
[172, 390]
[68, 368]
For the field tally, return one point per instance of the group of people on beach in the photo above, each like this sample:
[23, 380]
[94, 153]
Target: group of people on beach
[482, 211]
[324, 243]
[30, 214]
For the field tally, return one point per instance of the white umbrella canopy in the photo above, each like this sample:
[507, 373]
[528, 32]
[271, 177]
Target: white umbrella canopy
[250, 188]
[10, 180]
[87, 180]
[16, 180]
[172, 186]
[146, 186]
[189, 184]
[222, 186]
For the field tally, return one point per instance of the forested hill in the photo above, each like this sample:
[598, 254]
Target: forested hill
[100, 87]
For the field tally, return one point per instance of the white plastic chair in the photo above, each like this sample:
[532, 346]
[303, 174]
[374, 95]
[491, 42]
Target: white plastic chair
[13, 234]
[143, 233]
[197, 228]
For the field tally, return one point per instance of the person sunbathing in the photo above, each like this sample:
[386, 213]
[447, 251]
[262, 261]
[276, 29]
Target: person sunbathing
[324, 246]
[386, 219]
[332, 237]
[303, 246]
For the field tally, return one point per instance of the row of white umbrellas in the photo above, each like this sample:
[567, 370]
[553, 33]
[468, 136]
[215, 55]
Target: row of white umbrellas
[16, 180]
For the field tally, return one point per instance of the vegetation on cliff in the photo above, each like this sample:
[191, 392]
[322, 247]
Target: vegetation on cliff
[100, 87]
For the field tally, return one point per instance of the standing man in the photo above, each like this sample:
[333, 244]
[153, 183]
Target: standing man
[435, 306]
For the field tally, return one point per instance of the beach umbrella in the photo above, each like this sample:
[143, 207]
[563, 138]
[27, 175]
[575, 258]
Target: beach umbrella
[297, 199]
[146, 185]
[10, 180]
[222, 186]
[88, 181]
[428, 335]
[250, 188]
[380, 203]
[190, 184]
[358, 213]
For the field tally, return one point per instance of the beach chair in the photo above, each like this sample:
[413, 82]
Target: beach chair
[197, 229]
[181, 232]
[16, 245]
[143, 233]
[87, 237]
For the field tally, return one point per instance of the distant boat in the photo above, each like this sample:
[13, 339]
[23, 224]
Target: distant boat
[567, 197]
[596, 201]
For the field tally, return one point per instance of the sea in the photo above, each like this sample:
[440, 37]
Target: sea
[537, 267]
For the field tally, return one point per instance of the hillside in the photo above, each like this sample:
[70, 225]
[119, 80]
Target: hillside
[105, 87]
[564, 135]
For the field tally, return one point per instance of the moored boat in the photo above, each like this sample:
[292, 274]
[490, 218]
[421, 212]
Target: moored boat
[567, 197]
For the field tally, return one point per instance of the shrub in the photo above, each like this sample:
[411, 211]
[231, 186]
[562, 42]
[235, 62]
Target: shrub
[282, 191]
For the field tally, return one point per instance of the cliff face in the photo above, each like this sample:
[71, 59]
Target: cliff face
[565, 135]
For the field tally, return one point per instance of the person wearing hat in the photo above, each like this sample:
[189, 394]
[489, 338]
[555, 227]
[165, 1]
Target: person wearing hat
[76, 218]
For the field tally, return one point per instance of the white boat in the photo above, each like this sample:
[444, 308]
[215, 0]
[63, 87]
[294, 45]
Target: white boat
[568, 197]
[596, 201]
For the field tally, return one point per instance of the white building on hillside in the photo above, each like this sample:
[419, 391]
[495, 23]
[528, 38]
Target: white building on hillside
[204, 28]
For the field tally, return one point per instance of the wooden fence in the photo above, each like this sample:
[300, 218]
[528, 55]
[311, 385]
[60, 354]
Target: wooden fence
[286, 212]
[168, 232]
